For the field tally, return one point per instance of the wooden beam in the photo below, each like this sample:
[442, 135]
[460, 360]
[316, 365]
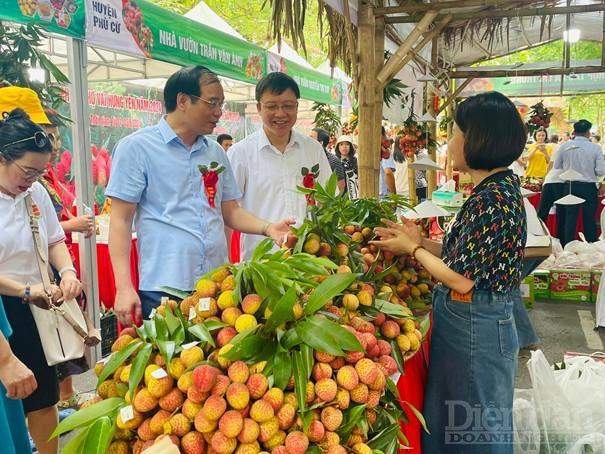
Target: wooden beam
[368, 178]
[517, 12]
[379, 34]
[352, 46]
[422, 44]
[449, 167]
[393, 65]
[424, 7]
[526, 72]
[454, 95]
[432, 150]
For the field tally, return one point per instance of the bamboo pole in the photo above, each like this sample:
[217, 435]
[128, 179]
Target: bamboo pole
[393, 65]
[423, 7]
[411, 180]
[432, 150]
[351, 44]
[368, 178]
[516, 12]
[379, 35]
[450, 99]
[449, 167]
[464, 74]
[427, 39]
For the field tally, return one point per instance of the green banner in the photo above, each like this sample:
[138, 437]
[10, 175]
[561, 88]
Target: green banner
[539, 85]
[66, 17]
[142, 28]
[313, 85]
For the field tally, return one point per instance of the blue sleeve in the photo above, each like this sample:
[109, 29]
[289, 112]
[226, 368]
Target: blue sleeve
[558, 158]
[127, 180]
[388, 163]
[600, 162]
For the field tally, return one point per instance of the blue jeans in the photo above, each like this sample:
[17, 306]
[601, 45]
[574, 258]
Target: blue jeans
[469, 395]
[150, 300]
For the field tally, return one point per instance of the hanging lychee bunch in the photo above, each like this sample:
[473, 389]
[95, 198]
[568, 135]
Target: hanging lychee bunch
[539, 117]
[412, 137]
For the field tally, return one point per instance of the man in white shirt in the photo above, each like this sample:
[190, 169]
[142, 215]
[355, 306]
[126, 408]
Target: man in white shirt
[268, 163]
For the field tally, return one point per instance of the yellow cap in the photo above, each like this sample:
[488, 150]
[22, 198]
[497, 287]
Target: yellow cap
[24, 98]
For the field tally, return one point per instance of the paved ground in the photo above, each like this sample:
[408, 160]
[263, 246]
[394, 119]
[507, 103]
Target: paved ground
[558, 324]
[562, 327]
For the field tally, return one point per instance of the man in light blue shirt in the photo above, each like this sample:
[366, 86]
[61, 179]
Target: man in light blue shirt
[155, 180]
[586, 158]
[386, 179]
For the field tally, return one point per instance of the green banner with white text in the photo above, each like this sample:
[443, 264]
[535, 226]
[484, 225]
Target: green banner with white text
[66, 17]
[141, 28]
[314, 86]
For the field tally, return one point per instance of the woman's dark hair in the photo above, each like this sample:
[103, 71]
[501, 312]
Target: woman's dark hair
[541, 130]
[494, 133]
[16, 126]
[189, 81]
[322, 136]
[398, 155]
[554, 138]
[276, 83]
[351, 149]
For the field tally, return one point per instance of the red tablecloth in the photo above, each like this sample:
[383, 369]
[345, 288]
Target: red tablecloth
[551, 222]
[107, 283]
[411, 386]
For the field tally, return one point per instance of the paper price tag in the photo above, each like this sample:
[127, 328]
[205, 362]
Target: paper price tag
[159, 374]
[203, 304]
[192, 313]
[152, 313]
[127, 413]
[525, 290]
[189, 345]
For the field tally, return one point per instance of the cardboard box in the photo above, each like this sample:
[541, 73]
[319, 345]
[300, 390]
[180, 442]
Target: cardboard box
[541, 284]
[570, 285]
[527, 291]
[594, 284]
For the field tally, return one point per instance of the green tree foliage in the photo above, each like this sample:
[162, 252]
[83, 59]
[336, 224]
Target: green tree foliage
[19, 51]
[551, 52]
[590, 107]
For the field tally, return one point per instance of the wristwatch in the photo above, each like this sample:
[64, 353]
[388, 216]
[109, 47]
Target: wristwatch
[26, 293]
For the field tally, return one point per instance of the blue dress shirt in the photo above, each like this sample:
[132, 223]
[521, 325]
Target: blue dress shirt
[583, 156]
[385, 164]
[180, 237]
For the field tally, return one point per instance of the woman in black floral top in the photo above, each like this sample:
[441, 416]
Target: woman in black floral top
[474, 345]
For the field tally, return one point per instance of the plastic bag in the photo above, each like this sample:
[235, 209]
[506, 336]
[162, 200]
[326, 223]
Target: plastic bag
[594, 441]
[557, 249]
[569, 403]
[577, 247]
[526, 431]
[568, 259]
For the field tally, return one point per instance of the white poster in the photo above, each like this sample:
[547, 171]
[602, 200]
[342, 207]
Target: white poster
[113, 26]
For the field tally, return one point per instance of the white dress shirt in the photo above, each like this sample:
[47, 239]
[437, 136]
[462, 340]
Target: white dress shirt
[268, 178]
[17, 253]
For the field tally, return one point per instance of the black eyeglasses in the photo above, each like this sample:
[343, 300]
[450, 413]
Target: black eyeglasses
[40, 139]
[214, 104]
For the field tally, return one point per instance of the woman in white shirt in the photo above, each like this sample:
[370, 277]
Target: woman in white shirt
[24, 153]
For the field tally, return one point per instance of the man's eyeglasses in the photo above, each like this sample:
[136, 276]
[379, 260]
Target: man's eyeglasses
[286, 107]
[214, 104]
[30, 174]
[40, 139]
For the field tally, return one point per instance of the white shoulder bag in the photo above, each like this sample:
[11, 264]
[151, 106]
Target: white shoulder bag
[62, 328]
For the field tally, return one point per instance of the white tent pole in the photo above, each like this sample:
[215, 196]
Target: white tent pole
[76, 55]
